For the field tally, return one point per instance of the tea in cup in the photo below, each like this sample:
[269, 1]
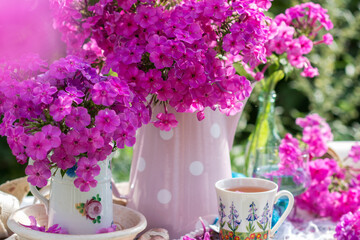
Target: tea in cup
[246, 206]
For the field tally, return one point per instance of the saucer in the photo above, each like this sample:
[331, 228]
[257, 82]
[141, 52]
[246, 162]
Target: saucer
[130, 222]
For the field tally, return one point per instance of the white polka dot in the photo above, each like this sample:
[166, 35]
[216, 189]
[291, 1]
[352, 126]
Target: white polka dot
[164, 196]
[196, 168]
[141, 164]
[215, 130]
[167, 135]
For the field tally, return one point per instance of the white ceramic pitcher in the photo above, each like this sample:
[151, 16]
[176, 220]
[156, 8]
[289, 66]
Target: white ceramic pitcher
[75, 211]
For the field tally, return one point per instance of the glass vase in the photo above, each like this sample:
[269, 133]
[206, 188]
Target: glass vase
[265, 134]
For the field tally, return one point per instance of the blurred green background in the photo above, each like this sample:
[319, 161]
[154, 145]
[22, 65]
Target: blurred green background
[334, 95]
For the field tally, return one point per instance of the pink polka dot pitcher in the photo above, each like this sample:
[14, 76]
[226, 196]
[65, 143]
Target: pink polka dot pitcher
[173, 173]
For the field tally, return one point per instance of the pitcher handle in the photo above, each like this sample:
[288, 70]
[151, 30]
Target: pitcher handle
[287, 211]
[39, 196]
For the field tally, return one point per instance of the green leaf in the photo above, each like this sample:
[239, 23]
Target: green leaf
[260, 226]
[62, 172]
[82, 204]
[229, 225]
[241, 71]
[273, 79]
[247, 228]
[112, 73]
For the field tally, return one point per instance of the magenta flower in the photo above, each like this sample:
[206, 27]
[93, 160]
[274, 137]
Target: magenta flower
[53, 229]
[75, 94]
[112, 228]
[87, 168]
[38, 146]
[160, 59]
[74, 143]
[125, 135]
[354, 152]
[52, 134]
[16, 139]
[62, 159]
[43, 93]
[60, 108]
[103, 94]
[349, 227]
[78, 119]
[146, 16]
[107, 120]
[92, 138]
[38, 174]
[166, 121]
[85, 185]
[101, 153]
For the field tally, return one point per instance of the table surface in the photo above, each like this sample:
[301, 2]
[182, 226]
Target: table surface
[303, 226]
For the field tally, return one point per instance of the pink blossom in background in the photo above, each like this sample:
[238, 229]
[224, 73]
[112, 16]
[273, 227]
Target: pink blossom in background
[354, 152]
[26, 27]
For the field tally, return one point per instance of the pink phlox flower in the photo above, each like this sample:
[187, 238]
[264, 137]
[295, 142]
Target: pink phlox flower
[195, 76]
[78, 119]
[127, 26]
[38, 173]
[7, 123]
[146, 16]
[62, 159]
[328, 39]
[160, 59]
[92, 138]
[215, 9]
[26, 89]
[112, 228]
[60, 108]
[174, 48]
[354, 152]
[74, 143]
[16, 139]
[102, 153]
[52, 134]
[310, 72]
[84, 185]
[43, 93]
[290, 154]
[75, 94]
[232, 107]
[88, 168]
[154, 42]
[348, 228]
[53, 229]
[107, 120]
[320, 170]
[166, 121]
[37, 146]
[103, 93]
[125, 135]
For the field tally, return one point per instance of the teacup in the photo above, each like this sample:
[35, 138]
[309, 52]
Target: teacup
[246, 206]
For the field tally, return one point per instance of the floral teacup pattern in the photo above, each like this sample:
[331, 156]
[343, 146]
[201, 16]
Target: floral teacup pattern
[247, 215]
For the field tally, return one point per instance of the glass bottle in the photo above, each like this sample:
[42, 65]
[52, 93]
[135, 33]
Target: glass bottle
[265, 134]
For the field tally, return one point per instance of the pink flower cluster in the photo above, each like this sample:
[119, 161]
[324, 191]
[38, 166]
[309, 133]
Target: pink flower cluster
[334, 190]
[69, 111]
[316, 134]
[349, 227]
[294, 34]
[172, 53]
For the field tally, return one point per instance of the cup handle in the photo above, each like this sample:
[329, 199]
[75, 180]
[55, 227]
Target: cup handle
[39, 196]
[287, 211]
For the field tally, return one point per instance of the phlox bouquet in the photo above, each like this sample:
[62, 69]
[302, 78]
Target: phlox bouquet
[65, 116]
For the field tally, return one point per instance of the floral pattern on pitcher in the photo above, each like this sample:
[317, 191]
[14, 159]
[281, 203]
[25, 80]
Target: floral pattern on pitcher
[91, 209]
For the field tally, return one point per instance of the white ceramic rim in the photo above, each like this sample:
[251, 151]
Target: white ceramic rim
[33, 234]
[260, 183]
